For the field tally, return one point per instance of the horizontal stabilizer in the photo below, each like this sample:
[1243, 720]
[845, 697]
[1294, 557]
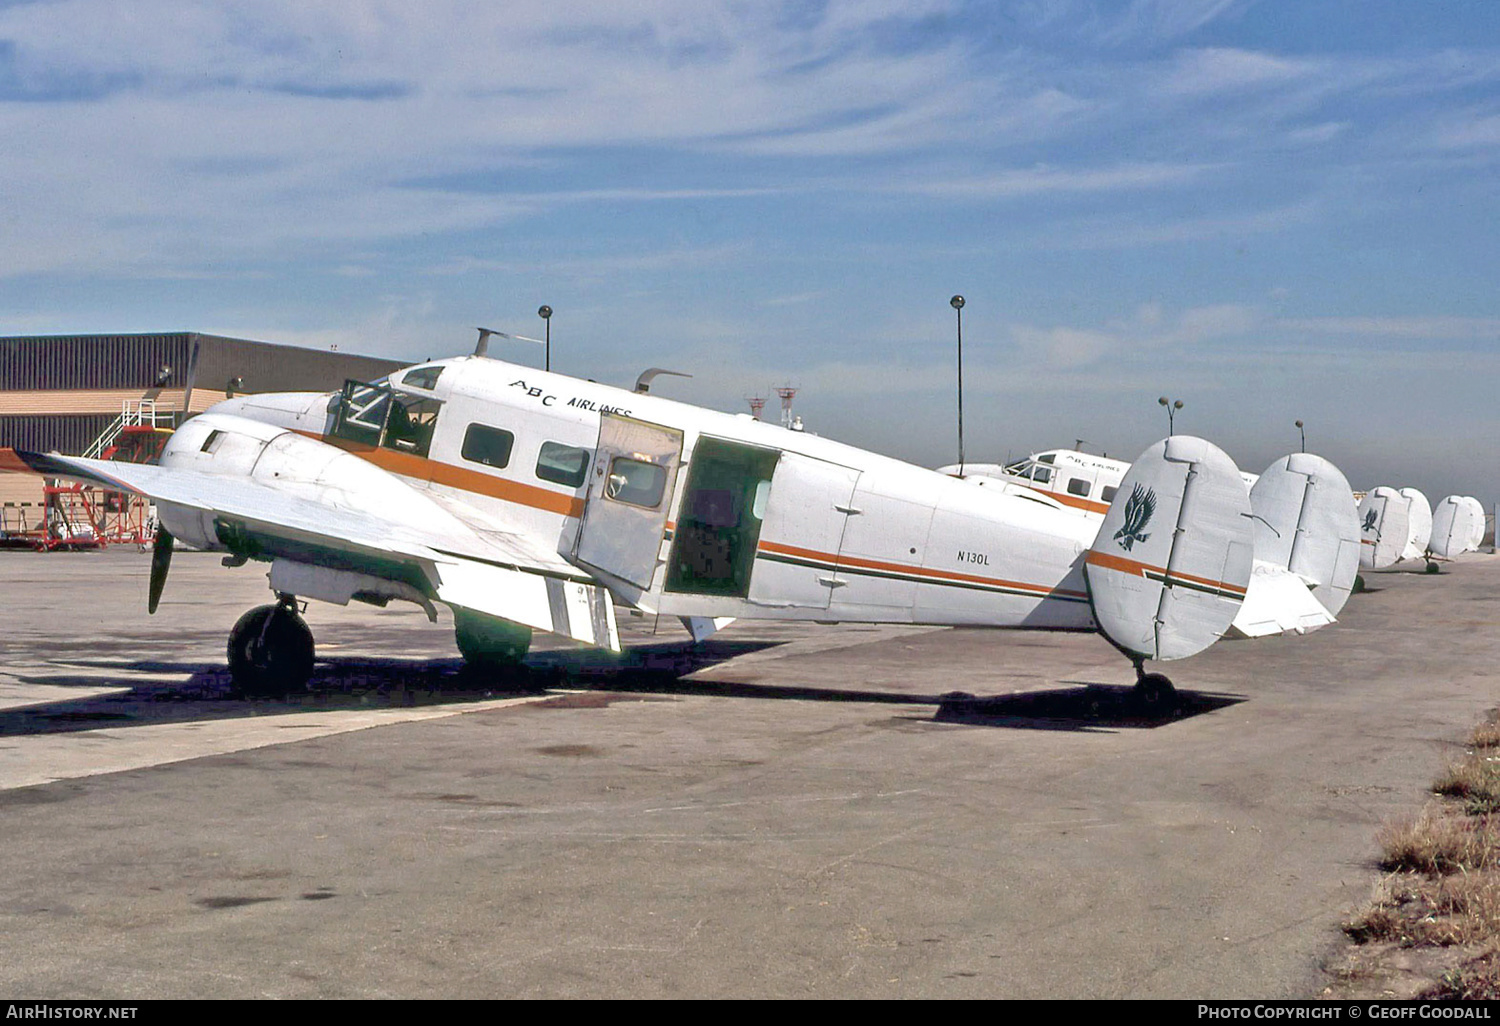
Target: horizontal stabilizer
[1171, 562]
[1279, 601]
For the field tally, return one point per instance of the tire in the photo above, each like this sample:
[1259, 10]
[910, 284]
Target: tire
[1154, 693]
[489, 642]
[270, 652]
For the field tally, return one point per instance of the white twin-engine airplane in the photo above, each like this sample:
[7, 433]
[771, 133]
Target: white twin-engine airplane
[527, 501]
[1078, 480]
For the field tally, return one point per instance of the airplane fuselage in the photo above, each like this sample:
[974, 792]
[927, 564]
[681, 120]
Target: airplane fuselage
[692, 512]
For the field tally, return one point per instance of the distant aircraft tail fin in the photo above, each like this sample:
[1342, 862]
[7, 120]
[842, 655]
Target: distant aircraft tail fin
[1172, 560]
[1453, 527]
[1306, 523]
[1384, 527]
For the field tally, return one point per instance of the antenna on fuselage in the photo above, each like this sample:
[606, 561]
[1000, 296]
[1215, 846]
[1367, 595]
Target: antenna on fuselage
[643, 383]
[482, 348]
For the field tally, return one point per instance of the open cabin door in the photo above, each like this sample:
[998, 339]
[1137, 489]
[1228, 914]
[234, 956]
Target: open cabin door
[630, 494]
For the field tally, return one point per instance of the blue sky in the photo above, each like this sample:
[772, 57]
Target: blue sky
[1272, 211]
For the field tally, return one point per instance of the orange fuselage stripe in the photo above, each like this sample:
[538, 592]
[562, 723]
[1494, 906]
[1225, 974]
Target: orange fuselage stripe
[423, 469]
[906, 568]
[1073, 500]
[1137, 568]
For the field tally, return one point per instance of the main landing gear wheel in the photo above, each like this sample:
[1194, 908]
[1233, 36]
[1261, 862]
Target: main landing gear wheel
[271, 650]
[1154, 692]
[1432, 568]
[493, 649]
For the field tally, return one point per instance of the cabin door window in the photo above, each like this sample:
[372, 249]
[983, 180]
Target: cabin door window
[719, 521]
[630, 494]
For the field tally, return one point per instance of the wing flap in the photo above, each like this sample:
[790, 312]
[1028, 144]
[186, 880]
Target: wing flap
[583, 612]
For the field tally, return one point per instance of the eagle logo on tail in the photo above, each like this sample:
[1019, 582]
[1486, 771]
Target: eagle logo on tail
[1369, 524]
[1138, 511]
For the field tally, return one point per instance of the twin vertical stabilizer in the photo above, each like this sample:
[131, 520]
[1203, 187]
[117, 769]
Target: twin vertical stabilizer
[1172, 560]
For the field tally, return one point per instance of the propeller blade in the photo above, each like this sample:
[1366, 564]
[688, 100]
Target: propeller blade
[161, 559]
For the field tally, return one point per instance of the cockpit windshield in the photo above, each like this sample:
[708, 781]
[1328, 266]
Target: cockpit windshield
[376, 415]
[1032, 469]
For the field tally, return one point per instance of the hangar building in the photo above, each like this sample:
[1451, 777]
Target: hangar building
[68, 393]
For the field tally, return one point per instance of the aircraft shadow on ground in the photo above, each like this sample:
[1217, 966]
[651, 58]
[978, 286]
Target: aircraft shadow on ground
[345, 683]
[1086, 706]
[197, 692]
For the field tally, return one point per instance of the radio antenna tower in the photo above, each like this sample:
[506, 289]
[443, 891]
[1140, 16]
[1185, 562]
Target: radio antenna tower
[757, 404]
[786, 392]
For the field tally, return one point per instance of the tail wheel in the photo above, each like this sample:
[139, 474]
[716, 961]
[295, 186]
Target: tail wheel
[1154, 692]
[270, 651]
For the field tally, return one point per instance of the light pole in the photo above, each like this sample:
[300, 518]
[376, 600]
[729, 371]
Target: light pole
[957, 302]
[1303, 433]
[1172, 407]
[545, 313]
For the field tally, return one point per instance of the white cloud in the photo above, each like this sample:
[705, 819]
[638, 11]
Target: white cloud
[1043, 179]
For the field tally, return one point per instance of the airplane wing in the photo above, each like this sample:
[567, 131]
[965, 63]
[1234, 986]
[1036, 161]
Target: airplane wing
[1278, 601]
[501, 573]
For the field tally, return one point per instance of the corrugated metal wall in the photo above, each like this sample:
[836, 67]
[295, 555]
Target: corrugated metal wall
[93, 361]
[272, 368]
[71, 434]
[88, 372]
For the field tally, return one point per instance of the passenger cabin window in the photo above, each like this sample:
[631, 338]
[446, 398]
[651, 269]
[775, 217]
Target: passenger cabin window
[1078, 486]
[1108, 495]
[563, 464]
[422, 377]
[488, 445]
[635, 482]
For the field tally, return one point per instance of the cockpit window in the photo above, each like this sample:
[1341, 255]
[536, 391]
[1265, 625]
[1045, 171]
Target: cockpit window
[371, 414]
[1047, 457]
[422, 377]
[409, 426]
[1032, 469]
[361, 412]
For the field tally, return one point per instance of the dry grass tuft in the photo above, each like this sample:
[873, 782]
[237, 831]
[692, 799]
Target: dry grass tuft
[1475, 979]
[1444, 887]
[1438, 842]
[1475, 780]
[1486, 735]
[1414, 910]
